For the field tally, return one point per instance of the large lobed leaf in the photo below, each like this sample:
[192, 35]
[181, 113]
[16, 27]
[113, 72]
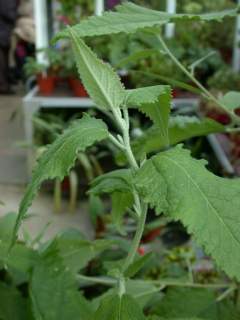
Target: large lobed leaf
[54, 292]
[181, 187]
[75, 251]
[60, 157]
[201, 304]
[101, 82]
[129, 18]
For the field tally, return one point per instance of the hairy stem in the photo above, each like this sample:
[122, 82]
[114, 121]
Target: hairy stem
[139, 207]
[207, 94]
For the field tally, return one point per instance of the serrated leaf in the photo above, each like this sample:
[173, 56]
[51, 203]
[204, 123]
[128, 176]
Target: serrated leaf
[121, 201]
[155, 103]
[180, 129]
[132, 8]
[201, 304]
[145, 95]
[114, 307]
[54, 292]
[181, 187]
[101, 82]
[231, 100]
[130, 17]
[60, 157]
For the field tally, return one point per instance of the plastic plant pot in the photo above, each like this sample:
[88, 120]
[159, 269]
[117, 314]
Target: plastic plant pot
[78, 88]
[46, 84]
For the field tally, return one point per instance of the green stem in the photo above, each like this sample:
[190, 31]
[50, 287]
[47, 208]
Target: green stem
[198, 84]
[101, 280]
[162, 283]
[140, 208]
[226, 293]
[190, 284]
[136, 239]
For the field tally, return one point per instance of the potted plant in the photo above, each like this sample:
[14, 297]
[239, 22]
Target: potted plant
[45, 81]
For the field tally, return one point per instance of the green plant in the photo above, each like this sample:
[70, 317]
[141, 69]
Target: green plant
[74, 10]
[33, 68]
[170, 182]
[224, 80]
[54, 62]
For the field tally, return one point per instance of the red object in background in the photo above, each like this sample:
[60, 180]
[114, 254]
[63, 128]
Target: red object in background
[46, 84]
[77, 88]
[176, 93]
[222, 118]
[151, 235]
[141, 251]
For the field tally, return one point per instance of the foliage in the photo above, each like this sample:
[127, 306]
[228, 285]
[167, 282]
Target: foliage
[170, 182]
[32, 67]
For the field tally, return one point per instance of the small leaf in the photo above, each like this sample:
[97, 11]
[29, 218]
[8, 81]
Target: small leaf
[60, 157]
[115, 181]
[145, 95]
[154, 102]
[101, 82]
[182, 188]
[121, 201]
[231, 100]
[137, 265]
[114, 307]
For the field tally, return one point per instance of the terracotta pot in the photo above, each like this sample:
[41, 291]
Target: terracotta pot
[77, 88]
[46, 84]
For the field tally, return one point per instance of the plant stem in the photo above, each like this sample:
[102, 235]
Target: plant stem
[139, 207]
[162, 283]
[137, 238]
[101, 280]
[208, 94]
[190, 284]
[226, 293]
